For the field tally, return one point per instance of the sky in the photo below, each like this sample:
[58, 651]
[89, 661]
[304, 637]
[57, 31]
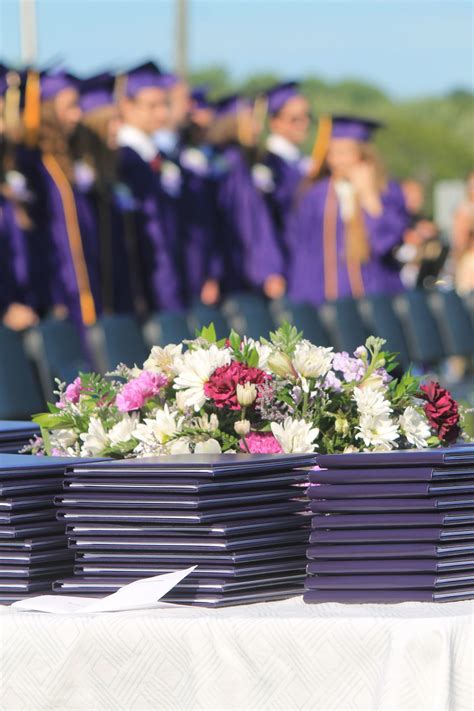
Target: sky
[407, 47]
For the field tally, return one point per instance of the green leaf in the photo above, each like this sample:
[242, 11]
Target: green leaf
[252, 358]
[208, 333]
[235, 340]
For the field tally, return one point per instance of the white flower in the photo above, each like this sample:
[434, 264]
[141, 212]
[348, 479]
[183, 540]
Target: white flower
[246, 394]
[371, 402]
[262, 350]
[280, 364]
[375, 381]
[312, 361]
[295, 436]
[209, 446]
[242, 427]
[206, 422]
[195, 369]
[180, 445]
[378, 431]
[164, 360]
[415, 427]
[95, 440]
[124, 430]
[182, 400]
[161, 428]
[62, 439]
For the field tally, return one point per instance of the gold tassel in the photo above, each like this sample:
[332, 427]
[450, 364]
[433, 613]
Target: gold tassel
[321, 145]
[32, 111]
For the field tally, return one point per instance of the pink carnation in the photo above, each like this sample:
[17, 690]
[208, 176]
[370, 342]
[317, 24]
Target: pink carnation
[261, 443]
[222, 385]
[137, 391]
[73, 391]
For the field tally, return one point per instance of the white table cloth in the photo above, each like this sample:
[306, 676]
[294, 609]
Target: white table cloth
[283, 655]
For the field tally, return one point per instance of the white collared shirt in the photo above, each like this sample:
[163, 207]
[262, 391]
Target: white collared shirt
[346, 198]
[140, 141]
[283, 148]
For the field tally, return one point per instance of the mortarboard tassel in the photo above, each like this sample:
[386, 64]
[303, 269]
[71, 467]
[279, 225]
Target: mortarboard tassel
[321, 145]
[32, 111]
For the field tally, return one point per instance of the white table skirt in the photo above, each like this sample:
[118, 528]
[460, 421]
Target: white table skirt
[283, 655]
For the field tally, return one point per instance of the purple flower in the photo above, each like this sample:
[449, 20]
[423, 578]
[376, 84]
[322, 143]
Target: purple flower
[332, 382]
[136, 392]
[351, 368]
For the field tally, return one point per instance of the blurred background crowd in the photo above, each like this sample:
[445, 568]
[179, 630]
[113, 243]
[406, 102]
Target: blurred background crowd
[138, 190]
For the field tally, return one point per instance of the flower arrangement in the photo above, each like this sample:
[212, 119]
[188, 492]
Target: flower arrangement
[282, 394]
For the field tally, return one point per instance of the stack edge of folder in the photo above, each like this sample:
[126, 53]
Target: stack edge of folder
[33, 547]
[392, 527]
[241, 519]
[14, 435]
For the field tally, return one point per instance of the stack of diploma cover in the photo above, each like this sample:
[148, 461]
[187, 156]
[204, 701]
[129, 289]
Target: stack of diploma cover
[33, 547]
[16, 435]
[392, 527]
[240, 519]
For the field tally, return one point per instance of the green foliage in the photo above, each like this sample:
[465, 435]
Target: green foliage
[285, 338]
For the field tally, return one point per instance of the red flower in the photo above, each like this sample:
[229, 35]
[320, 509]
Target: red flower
[222, 385]
[442, 411]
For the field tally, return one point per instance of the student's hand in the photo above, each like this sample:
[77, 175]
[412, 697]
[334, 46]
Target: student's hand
[210, 292]
[19, 317]
[274, 286]
[364, 179]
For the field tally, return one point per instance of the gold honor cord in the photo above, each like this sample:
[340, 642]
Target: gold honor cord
[86, 299]
[357, 251]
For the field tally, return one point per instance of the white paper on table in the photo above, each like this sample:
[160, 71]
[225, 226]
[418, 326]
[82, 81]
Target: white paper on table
[141, 594]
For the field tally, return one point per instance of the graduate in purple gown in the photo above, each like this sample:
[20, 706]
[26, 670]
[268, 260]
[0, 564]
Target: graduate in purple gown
[345, 226]
[201, 259]
[144, 109]
[289, 122]
[95, 153]
[61, 211]
[23, 288]
[251, 257]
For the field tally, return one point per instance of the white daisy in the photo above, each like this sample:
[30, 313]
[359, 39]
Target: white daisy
[415, 427]
[295, 436]
[312, 361]
[95, 440]
[378, 431]
[195, 369]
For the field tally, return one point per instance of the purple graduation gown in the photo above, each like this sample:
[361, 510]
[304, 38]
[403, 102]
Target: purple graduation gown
[157, 270]
[305, 244]
[200, 256]
[287, 175]
[247, 239]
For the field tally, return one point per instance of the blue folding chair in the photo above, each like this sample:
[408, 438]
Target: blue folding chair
[381, 319]
[454, 323]
[167, 327]
[121, 341]
[58, 352]
[20, 394]
[420, 328]
[306, 319]
[248, 314]
[345, 324]
[201, 315]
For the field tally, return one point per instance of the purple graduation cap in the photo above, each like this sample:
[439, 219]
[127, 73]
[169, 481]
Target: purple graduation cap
[231, 104]
[54, 82]
[200, 98]
[97, 91]
[279, 94]
[147, 76]
[358, 129]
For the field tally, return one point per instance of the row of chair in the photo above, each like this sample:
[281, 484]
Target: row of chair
[423, 328]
